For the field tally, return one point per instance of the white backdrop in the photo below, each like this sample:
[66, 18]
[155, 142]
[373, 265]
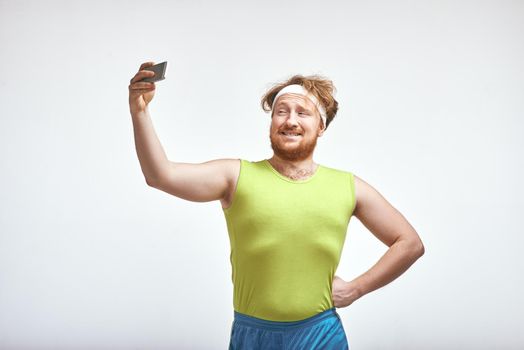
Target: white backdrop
[431, 106]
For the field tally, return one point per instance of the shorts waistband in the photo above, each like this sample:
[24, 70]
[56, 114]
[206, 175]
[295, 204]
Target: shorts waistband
[283, 325]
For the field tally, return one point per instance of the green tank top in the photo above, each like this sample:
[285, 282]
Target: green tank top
[286, 238]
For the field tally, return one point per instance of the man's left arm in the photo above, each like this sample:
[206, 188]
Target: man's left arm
[390, 227]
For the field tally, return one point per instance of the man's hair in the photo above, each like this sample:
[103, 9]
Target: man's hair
[321, 87]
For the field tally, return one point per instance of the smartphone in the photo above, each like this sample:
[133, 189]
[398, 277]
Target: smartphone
[160, 71]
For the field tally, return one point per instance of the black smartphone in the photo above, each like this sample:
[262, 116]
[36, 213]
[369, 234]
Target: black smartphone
[160, 71]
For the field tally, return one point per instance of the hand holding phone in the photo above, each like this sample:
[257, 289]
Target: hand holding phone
[142, 87]
[159, 70]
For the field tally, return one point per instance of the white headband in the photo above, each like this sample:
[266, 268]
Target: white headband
[299, 89]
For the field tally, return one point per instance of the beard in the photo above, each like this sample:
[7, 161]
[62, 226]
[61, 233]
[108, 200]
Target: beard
[292, 150]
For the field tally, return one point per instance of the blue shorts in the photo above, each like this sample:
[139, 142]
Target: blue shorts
[321, 331]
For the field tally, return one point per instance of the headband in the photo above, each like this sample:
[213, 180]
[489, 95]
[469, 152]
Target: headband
[299, 89]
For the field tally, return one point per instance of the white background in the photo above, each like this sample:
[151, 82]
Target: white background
[431, 106]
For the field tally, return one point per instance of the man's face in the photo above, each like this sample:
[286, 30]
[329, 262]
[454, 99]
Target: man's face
[294, 114]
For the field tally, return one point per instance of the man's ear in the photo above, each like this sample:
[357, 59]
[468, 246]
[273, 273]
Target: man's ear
[322, 129]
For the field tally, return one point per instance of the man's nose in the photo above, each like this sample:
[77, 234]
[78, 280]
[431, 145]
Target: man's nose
[292, 118]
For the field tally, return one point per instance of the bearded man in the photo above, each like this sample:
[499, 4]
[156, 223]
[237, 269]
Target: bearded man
[287, 218]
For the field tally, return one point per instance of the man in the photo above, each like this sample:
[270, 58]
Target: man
[287, 218]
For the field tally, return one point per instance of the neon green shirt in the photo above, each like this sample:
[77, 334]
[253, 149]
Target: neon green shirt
[286, 239]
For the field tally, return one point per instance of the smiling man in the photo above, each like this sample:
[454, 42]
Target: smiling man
[287, 218]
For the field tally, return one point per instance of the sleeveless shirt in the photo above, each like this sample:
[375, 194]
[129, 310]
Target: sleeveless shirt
[286, 238]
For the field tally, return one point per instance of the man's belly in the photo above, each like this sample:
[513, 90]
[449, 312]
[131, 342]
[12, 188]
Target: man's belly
[283, 287]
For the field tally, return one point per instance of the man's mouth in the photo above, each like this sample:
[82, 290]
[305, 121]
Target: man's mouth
[291, 134]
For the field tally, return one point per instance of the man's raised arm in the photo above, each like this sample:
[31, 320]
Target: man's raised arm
[202, 182]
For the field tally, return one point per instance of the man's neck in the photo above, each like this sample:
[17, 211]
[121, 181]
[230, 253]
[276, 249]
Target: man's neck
[295, 169]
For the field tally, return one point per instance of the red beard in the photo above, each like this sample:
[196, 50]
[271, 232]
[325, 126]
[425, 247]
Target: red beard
[292, 150]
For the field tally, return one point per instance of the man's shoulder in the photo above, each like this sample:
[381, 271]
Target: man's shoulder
[336, 170]
[230, 167]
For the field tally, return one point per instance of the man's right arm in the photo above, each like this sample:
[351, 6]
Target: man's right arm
[202, 182]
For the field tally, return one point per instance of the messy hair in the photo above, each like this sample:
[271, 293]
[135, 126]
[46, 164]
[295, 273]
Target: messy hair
[321, 87]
